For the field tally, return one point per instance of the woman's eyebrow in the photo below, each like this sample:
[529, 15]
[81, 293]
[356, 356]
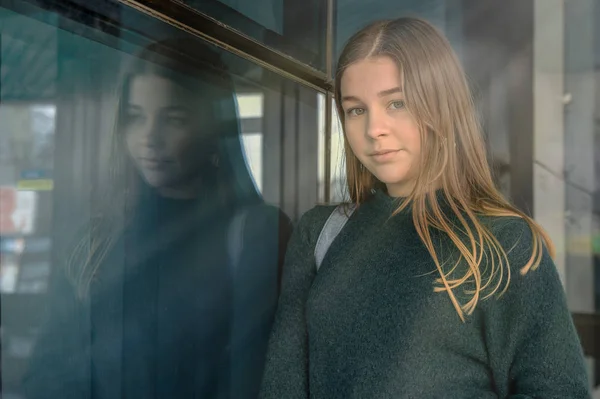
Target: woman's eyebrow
[382, 93]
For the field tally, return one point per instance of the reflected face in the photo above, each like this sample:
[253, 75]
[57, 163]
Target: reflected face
[382, 133]
[161, 131]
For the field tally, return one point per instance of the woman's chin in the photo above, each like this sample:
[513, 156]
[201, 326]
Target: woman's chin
[157, 180]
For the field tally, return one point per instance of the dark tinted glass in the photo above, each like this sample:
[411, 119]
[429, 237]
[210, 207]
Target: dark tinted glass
[148, 183]
[297, 29]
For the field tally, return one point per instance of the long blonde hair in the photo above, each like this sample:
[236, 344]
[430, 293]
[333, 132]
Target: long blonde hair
[453, 159]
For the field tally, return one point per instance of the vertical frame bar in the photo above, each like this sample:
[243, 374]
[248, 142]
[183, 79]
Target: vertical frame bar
[329, 59]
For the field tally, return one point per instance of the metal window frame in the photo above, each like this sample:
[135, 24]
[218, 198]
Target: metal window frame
[204, 26]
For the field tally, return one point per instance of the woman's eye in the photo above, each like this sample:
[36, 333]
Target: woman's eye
[133, 117]
[355, 111]
[397, 104]
[176, 121]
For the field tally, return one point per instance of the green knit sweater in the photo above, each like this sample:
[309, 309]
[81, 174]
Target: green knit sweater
[370, 326]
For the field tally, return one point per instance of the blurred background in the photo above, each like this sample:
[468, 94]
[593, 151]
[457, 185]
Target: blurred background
[534, 66]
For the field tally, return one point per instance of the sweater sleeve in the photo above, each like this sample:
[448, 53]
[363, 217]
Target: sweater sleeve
[256, 288]
[286, 370]
[532, 342]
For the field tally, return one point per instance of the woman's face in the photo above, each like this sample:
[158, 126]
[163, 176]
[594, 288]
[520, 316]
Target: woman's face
[162, 132]
[382, 133]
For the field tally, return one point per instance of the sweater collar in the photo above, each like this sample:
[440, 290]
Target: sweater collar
[386, 202]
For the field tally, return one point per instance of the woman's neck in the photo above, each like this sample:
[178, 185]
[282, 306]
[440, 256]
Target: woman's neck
[189, 190]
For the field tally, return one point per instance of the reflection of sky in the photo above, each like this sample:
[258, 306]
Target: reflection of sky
[43, 119]
[250, 106]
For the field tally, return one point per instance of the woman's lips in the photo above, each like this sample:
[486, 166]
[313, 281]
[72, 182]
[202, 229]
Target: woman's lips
[155, 163]
[384, 155]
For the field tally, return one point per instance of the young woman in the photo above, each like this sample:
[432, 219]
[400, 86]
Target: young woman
[171, 290]
[436, 287]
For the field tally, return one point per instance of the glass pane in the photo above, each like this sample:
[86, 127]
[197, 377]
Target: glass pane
[296, 28]
[582, 162]
[147, 190]
[582, 158]
[27, 141]
[351, 15]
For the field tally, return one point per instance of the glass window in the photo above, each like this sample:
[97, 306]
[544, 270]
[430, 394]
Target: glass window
[147, 189]
[295, 28]
[582, 164]
[582, 87]
[27, 137]
[351, 15]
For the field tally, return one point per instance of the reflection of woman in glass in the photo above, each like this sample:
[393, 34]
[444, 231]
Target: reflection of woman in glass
[171, 292]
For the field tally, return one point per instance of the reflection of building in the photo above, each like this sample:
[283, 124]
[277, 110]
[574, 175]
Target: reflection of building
[567, 94]
[582, 85]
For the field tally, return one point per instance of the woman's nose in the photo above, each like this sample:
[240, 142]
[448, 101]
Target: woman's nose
[377, 124]
[152, 135]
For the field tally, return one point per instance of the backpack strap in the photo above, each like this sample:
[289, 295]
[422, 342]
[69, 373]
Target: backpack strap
[331, 229]
[235, 238]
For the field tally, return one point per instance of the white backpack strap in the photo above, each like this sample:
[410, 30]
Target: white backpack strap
[235, 238]
[330, 231]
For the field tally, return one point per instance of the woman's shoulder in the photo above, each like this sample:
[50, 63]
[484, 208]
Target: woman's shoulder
[260, 215]
[529, 261]
[509, 231]
[313, 220]
[513, 233]
[258, 222]
[318, 214]
[307, 227]
[260, 211]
